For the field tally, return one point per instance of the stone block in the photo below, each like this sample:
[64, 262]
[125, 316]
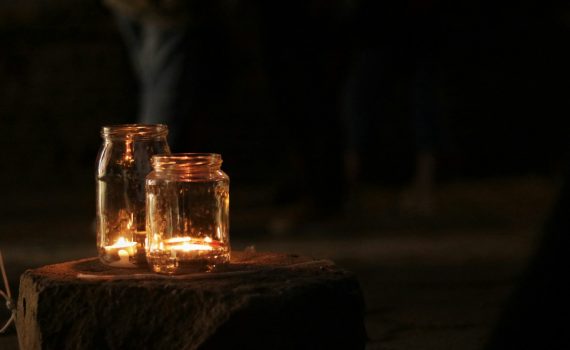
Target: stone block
[260, 301]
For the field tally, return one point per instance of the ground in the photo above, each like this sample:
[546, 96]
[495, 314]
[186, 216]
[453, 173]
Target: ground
[429, 283]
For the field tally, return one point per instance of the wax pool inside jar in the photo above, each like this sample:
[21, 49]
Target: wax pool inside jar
[187, 244]
[186, 255]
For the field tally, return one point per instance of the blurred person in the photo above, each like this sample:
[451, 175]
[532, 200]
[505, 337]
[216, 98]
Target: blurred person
[305, 54]
[397, 36]
[176, 49]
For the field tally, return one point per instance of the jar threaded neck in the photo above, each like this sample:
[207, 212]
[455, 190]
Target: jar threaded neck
[137, 131]
[187, 162]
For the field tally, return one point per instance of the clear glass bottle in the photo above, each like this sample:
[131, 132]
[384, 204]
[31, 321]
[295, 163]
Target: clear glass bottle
[123, 163]
[187, 202]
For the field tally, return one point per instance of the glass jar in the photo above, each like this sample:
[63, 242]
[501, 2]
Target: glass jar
[123, 163]
[187, 203]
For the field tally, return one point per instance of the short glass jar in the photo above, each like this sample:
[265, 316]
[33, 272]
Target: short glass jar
[123, 163]
[187, 203]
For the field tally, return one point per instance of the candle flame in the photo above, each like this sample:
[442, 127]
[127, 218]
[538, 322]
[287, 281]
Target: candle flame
[187, 247]
[187, 244]
[122, 242]
[179, 239]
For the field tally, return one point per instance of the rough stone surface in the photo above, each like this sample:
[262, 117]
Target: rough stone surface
[261, 301]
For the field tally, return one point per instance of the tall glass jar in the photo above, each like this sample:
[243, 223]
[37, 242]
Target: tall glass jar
[123, 163]
[187, 201]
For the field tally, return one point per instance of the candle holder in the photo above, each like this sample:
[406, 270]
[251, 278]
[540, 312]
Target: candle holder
[123, 163]
[187, 202]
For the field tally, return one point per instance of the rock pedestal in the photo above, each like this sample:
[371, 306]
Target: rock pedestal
[260, 301]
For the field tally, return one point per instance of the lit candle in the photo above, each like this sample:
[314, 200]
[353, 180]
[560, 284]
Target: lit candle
[186, 254]
[188, 247]
[121, 252]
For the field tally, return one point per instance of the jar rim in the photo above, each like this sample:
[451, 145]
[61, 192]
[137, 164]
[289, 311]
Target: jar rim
[186, 160]
[140, 131]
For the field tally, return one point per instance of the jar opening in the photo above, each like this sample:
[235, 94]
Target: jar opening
[139, 131]
[186, 161]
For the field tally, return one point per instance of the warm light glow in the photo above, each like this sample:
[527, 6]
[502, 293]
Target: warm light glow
[130, 222]
[188, 247]
[188, 244]
[123, 249]
[179, 239]
[122, 242]
[128, 156]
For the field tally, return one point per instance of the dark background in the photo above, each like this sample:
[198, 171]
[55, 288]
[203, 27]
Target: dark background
[64, 73]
